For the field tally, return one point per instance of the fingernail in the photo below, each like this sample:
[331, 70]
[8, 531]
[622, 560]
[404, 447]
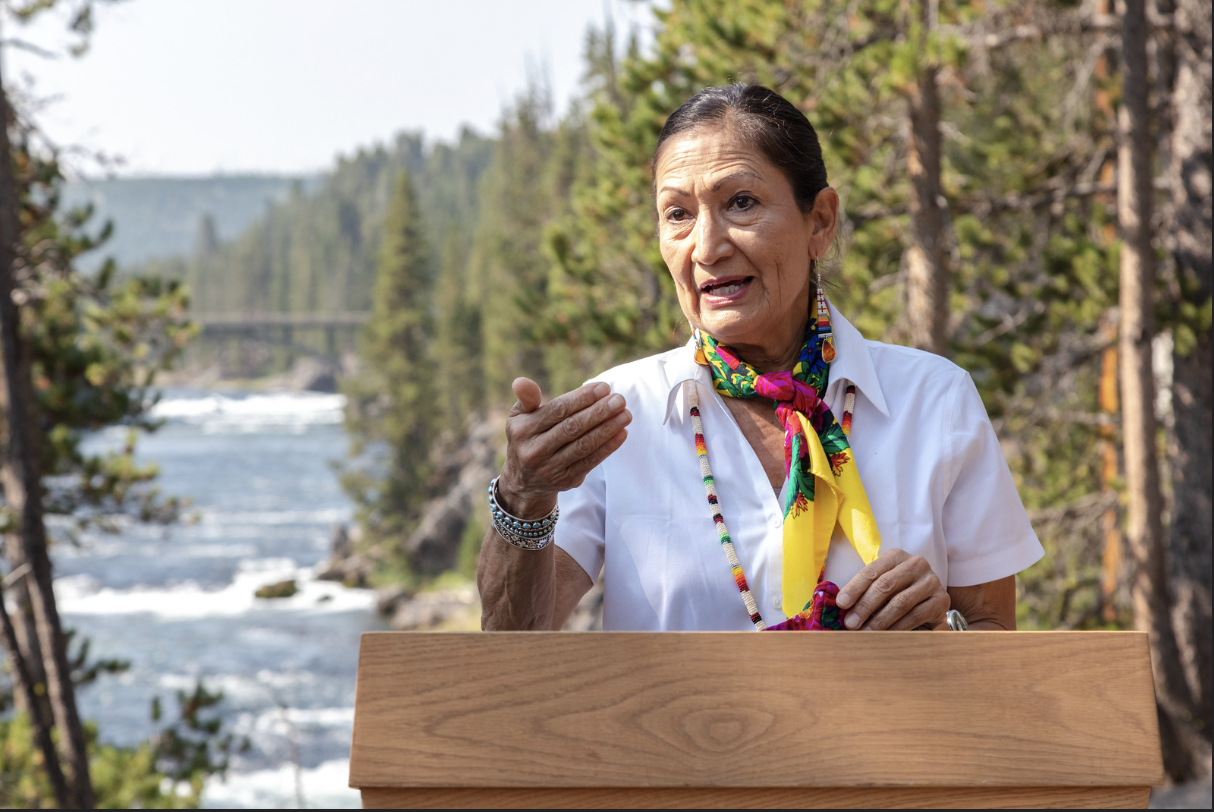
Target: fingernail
[616, 402]
[623, 418]
[851, 621]
[843, 599]
[867, 629]
[601, 390]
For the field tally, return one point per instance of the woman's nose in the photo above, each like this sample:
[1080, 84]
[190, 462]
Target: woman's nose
[711, 240]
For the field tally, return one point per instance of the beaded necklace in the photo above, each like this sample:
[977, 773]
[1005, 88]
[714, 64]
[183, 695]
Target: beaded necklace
[692, 396]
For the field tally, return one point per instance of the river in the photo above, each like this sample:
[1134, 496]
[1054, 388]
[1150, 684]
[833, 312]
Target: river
[178, 603]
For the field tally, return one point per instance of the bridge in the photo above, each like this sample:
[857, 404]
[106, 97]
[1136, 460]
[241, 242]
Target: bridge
[279, 328]
[216, 323]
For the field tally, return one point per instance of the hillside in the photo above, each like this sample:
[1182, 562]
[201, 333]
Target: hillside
[162, 216]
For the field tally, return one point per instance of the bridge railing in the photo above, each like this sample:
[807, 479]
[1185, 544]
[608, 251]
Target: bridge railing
[242, 322]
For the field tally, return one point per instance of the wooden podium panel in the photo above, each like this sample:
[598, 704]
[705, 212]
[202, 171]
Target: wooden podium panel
[744, 719]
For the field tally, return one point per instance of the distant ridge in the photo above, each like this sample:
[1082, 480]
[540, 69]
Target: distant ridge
[160, 216]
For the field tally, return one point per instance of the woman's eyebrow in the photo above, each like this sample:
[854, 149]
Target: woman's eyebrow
[716, 186]
[742, 174]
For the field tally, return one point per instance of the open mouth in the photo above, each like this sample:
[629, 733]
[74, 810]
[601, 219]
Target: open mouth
[724, 287]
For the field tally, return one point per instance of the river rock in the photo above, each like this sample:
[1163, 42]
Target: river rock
[429, 610]
[433, 546]
[344, 565]
[311, 375]
[282, 589]
[389, 598]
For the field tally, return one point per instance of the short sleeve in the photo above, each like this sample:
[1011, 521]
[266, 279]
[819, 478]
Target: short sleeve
[986, 528]
[581, 529]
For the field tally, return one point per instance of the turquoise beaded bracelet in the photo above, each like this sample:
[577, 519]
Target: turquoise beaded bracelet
[526, 534]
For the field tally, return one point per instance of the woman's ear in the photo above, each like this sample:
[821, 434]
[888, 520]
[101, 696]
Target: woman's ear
[823, 222]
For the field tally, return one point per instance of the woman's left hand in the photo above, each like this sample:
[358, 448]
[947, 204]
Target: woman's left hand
[896, 592]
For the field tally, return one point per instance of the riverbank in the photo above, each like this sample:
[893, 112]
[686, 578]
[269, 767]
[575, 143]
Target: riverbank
[305, 374]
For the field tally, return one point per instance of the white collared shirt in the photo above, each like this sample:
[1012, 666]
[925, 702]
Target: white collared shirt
[924, 447]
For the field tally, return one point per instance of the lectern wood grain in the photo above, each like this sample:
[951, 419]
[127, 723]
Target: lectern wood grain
[623, 710]
[760, 798]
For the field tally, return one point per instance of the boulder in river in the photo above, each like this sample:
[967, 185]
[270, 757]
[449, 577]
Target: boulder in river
[344, 565]
[282, 589]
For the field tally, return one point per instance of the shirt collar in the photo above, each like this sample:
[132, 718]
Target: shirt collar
[681, 366]
[853, 362]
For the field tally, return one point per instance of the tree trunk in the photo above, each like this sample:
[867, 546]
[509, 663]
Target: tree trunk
[1110, 470]
[26, 696]
[1144, 504]
[23, 619]
[926, 273]
[22, 481]
[1112, 557]
[1189, 537]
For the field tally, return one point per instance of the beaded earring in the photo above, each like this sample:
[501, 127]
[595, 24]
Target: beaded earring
[824, 330]
[813, 273]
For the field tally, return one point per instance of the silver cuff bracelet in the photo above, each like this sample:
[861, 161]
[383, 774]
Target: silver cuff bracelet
[526, 534]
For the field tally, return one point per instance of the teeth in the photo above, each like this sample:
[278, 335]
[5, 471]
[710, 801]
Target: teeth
[725, 290]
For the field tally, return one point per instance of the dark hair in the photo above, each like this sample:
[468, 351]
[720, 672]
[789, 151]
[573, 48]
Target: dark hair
[766, 120]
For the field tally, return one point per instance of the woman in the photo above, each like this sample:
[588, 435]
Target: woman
[775, 456]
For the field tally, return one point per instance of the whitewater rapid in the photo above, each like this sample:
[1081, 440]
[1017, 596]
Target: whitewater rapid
[178, 602]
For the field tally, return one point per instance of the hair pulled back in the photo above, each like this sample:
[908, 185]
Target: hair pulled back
[765, 120]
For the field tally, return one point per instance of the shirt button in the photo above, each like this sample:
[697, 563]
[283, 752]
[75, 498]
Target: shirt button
[777, 601]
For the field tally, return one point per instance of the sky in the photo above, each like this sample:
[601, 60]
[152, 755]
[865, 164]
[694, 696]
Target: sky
[198, 87]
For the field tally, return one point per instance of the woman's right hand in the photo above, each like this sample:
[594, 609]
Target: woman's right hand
[551, 447]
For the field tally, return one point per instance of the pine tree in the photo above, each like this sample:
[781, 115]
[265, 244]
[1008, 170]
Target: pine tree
[394, 408]
[459, 341]
[79, 353]
[509, 272]
[454, 176]
[21, 476]
[206, 241]
[1189, 542]
[927, 278]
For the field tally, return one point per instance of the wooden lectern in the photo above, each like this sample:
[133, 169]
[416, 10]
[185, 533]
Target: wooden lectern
[893, 719]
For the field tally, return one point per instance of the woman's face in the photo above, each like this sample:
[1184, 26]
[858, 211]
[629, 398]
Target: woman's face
[735, 240]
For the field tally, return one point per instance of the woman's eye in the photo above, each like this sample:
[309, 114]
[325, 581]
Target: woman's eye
[743, 202]
[676, 215]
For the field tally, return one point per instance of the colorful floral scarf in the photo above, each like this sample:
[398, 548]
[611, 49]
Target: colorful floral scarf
[824, 488]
